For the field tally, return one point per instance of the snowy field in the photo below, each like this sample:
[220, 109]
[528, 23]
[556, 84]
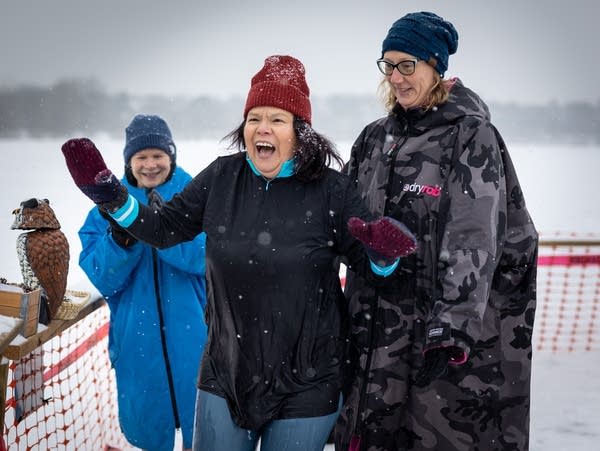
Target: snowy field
[558, 183]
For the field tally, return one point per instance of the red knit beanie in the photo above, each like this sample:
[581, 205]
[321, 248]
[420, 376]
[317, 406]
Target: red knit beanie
[280, 83]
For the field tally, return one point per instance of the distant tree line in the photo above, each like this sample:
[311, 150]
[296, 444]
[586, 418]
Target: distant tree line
[84, 107]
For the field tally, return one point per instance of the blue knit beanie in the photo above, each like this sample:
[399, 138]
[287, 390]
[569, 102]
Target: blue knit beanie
[148, 131]
[424, 35]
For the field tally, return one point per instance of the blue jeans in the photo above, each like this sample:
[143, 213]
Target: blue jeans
[214, 430]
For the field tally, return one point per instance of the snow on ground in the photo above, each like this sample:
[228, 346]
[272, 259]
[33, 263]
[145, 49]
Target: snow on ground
[559, 196]
[559, 186]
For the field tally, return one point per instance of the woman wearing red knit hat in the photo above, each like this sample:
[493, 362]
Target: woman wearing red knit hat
[277, 218]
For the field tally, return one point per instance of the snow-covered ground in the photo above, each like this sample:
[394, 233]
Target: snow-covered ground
[558, 183]
[559, 187]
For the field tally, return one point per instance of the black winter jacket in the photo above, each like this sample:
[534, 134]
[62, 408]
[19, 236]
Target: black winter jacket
[275, 309]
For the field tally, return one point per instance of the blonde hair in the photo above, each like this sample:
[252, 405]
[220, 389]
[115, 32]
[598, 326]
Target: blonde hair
[438, 93]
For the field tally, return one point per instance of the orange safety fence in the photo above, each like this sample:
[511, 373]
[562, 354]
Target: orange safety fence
[568, 294]
[62, 395]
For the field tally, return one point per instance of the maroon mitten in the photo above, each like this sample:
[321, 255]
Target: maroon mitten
[91, 175]
[384, 238]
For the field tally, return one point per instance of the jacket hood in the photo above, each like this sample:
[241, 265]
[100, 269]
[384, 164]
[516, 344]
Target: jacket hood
[461, 103]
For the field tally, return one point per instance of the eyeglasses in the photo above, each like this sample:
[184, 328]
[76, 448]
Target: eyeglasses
[405, 67]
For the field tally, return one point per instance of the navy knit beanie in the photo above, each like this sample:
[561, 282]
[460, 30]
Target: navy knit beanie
[424, 35]
[148, 131]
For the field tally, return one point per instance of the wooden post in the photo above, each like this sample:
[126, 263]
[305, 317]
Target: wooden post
[3, 387]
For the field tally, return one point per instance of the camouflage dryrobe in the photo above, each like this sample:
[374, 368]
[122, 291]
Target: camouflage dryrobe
[447, 175]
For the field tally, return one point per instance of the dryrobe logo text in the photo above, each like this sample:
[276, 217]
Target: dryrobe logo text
[433, 191]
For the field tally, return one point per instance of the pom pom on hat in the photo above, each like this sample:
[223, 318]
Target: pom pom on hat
[424, 35]
[281, 83]
[148, 131]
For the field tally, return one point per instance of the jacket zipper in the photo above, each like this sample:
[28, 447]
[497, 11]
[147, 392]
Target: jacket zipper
[163, 339]
[391, 173]
[363, 390]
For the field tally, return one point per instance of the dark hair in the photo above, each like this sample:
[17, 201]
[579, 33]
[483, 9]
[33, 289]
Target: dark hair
[312, 155]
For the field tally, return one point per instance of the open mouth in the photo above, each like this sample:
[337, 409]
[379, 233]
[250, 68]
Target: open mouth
[264, 149]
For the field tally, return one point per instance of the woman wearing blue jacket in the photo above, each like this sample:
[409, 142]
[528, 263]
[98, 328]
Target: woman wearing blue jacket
[156, 298]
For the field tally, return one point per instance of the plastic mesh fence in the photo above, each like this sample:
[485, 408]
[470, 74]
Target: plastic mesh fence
[568, 293]
[62, 396]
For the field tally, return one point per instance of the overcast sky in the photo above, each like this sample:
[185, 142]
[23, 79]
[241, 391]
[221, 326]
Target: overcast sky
[528, 51]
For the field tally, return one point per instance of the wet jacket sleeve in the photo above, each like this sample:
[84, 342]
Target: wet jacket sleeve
[180, 219]
[107, 265]
[473, 215]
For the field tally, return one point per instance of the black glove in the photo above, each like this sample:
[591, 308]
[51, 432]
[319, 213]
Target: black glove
[435, 364]
[119, 234]
[155, 200]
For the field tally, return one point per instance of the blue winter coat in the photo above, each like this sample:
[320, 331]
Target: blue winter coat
[133, 286]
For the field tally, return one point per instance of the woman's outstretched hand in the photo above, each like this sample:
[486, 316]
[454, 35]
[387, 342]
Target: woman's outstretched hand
[91, 175]
[385, 238]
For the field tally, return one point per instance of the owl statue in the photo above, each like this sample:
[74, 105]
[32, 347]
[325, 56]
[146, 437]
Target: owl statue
[43, 254]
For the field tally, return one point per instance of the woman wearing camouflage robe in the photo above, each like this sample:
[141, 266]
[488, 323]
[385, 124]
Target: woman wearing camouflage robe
[441, 355]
